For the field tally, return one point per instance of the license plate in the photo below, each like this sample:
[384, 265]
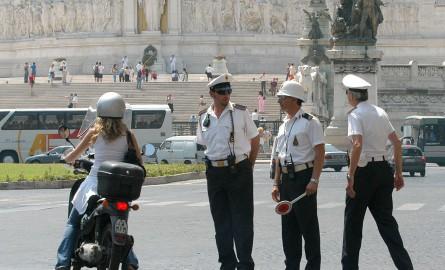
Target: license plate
[410, 160]
[121, 226]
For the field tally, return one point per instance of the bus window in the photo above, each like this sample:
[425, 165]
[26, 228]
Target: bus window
[21, 121]
[431, 133]
[74, 119]
[51, 120]
[2, 115]
[147, 119]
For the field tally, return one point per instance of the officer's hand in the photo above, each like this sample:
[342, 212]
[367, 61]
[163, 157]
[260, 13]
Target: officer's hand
[311, 188]
[350, 187]
[276, 194]
[398, 181]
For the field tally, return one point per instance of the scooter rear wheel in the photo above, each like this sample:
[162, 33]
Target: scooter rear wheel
[114, 252]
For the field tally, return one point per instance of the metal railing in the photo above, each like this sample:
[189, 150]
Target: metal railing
[184, 128]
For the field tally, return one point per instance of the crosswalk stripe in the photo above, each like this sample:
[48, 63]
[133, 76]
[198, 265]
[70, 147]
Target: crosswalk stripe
[199, 204]
[410, 206]
[330, 205]
[442, 209]
[165, 203]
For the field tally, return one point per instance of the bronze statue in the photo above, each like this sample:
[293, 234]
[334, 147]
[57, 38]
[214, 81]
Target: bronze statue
[357, 20]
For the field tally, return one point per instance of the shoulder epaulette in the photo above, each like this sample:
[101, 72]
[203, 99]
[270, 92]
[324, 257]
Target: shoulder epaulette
[348, 112]
[239, 107]
[307, 116]
[202, 112]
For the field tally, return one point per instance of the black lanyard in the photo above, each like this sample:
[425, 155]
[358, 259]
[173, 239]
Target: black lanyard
[232, 135]
[288, 136]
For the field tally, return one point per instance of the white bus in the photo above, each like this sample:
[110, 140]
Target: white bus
[428, 133]
[27, 132]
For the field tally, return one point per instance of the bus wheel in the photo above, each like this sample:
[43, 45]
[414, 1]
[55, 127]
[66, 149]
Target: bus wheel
[9, 157]
[411, 174]
[187, 162]
[422, 173]
[164, 161]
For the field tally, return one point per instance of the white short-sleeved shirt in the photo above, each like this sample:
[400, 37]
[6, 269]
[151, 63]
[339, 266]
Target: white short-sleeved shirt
[217, 135]
[373, 124]
[298, 136]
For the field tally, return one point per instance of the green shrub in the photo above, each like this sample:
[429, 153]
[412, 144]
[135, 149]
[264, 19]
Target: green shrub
[52, 172]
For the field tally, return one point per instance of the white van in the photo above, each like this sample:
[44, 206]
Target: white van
[180, 149]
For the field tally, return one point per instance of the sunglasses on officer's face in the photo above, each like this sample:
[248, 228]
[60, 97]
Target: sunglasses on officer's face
[224, 92]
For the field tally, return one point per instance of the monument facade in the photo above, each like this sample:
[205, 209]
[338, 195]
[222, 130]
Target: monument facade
[260, 32]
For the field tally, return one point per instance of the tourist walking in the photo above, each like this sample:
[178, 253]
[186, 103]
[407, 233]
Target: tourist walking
[230, 157]
[26, 72]
[115, 72]
[370, 178]
[169, 102]
[51, 74]
[209, 72]
[261, 102]
[75, 100]
[263, 83]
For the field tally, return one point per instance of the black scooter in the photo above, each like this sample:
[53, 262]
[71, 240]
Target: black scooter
[103, 241]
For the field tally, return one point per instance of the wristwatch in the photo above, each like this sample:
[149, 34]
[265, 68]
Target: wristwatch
[315, 181]
[348, 177]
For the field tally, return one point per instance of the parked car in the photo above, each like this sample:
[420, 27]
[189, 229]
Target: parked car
[52, 156]
[335, 158]
[180, 149]
[413, 160]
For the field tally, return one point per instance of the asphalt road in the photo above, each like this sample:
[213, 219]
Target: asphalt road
[174, 231]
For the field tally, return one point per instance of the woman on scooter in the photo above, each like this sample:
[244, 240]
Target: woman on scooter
[108, 136]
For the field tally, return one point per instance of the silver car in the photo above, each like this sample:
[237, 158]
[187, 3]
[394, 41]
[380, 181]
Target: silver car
[52, 156]
[334, 158]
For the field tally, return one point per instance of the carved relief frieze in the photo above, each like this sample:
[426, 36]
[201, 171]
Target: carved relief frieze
[410, 99]
[355, 67]
[431, 71]
[395, 71]
[45, 18]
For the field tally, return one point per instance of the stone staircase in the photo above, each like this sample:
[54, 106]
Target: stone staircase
[186, 95]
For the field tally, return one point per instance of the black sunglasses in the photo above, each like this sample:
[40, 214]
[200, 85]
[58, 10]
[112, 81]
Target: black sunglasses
[224, 92]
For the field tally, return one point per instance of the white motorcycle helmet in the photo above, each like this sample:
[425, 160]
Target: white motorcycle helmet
[111, 105]
[292, 89]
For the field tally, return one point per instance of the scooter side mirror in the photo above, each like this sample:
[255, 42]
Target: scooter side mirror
[148, 150]
[64, 132]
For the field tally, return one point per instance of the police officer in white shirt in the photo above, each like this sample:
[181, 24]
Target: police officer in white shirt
[232, 144]
[300, 148]
[370, 178]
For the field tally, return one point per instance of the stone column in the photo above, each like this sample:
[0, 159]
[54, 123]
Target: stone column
[359, 60]
[130, 17]
[174, 16]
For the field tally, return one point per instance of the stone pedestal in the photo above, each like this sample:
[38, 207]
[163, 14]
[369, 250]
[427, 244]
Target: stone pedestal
[359, 60]
[219, 66]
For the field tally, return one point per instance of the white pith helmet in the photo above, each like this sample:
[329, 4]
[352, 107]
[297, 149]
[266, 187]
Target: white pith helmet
[292, 89]
[111, 105]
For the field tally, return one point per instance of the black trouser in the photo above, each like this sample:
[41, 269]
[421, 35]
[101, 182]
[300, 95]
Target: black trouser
[373, 185]
[301, 221]
[231, 205]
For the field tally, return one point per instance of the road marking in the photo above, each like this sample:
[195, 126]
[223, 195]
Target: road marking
[330, 205]
[31, 208]
[165, 203]
[410, 206]
[199, 204]
[442, 209]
